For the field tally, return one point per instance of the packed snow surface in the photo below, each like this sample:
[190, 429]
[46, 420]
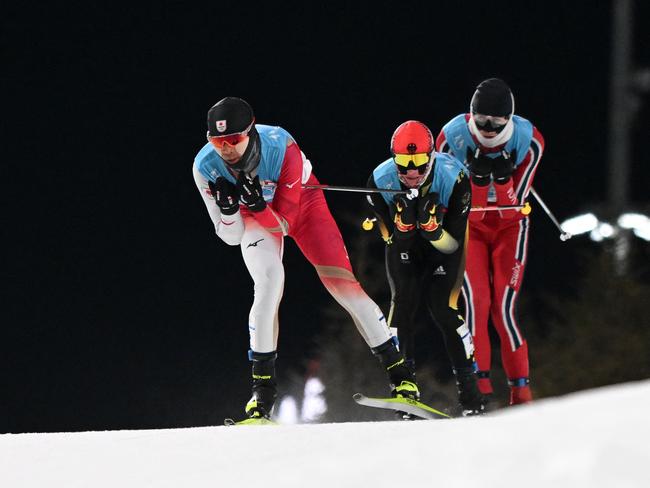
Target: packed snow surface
[598, 438]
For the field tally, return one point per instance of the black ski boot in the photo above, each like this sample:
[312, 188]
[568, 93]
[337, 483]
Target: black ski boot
[264, 387]
[401, 374]
[472, 402]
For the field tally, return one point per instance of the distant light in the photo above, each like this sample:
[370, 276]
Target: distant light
[596, 236]
[602, 231]
[314, 387]
[314, 404]
[598, 231]
[580, 224]
[643, 233]
[633, 221]
[639, 223]
[288, 410]
[606, 230]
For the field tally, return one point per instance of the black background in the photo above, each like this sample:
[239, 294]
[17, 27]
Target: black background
[122, 308]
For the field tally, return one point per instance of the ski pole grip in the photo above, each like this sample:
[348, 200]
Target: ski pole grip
[369, 223]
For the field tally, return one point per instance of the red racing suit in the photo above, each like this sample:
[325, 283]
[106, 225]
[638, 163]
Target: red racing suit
[302, 214]
[496, 259]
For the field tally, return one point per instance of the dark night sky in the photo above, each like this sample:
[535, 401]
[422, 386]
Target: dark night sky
[122, 308]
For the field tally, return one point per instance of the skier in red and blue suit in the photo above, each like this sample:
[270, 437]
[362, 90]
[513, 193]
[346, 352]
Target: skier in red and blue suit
[502, 152]
[251, 179]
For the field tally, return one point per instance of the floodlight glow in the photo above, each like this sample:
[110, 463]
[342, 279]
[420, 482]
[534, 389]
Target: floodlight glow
[288, 410]
[633, 221]
[643, 233]
[580, 224]
[314, 386]
[313, 404]
[606, 230]
[602, 231]
[596, 236]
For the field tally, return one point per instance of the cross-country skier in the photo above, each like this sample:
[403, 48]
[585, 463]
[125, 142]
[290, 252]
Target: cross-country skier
[250, 177]
[425, 247]
[502, 152]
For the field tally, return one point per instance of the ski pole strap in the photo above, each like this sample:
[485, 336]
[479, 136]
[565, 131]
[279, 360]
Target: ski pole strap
[519, 382]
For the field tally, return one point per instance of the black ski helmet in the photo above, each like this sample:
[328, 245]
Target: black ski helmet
[232, 115]
[493, 97]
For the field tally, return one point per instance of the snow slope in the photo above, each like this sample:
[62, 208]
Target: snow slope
[592, 439]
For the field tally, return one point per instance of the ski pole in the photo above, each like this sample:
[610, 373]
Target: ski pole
[564, 236]
[410, 194]
[369, 223]
[525, 209]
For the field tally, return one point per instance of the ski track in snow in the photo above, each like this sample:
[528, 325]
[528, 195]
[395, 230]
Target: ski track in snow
[597, 438]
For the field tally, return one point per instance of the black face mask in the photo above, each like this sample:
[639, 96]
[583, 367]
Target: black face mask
[488, 127]
[252, 156]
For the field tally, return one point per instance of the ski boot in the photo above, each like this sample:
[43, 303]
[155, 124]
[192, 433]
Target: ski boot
[401, 374]
[519, 391]
[472, 402]
[264, 387]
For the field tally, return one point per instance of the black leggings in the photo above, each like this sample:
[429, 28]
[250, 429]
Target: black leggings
[417, 271]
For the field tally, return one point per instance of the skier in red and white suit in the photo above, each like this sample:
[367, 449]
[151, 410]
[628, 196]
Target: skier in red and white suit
[250, 177]
[502, 151]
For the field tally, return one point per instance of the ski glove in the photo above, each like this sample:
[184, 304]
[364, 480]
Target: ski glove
[503, 166]
[225, 195]
[430, 215]
[404, 217]
[480, 167]
[250, 192]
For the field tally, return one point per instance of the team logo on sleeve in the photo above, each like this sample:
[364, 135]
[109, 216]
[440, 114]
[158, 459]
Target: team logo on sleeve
[221, 125]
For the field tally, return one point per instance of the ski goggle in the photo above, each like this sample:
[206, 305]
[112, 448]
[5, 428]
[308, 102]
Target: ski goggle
[230, 139]
[406, 162]
[490, 122]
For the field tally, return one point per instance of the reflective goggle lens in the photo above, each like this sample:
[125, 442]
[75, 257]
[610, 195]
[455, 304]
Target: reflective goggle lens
[230, 139]
[495, 122]
[417, 160]
[406, 162]
[219, 142]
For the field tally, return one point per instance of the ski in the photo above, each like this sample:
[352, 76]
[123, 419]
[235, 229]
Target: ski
[407, 405]
[258, 421]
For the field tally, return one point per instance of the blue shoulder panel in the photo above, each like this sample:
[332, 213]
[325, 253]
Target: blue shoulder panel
[459, 138]
[446, 170]
[274, 145]
[385, 176]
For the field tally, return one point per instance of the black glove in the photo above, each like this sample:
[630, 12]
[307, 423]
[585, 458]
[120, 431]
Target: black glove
[430, 215]
[225, 195]
[503, 166]
[480, 167]
[250, 192]
[404, 217]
